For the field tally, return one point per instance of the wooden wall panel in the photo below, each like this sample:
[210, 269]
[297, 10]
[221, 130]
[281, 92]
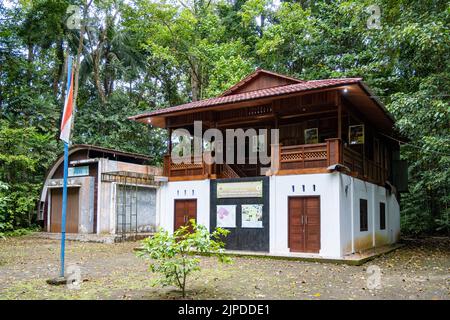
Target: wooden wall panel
[72, 213]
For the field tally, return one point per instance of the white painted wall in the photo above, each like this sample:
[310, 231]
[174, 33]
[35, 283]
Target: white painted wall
[169, 192]
[326, 186]
[339, 210]
[106, 208]
[354, 240]
[106, 218]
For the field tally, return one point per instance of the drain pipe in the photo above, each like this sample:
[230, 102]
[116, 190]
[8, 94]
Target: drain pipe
[352, 212]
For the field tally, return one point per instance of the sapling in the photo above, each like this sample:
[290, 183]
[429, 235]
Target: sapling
[175, 256]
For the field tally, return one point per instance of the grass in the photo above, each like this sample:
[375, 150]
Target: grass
[18, 232]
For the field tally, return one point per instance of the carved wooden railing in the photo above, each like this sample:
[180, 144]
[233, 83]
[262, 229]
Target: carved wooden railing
[288, 159]
[188, 167]
[307, 156]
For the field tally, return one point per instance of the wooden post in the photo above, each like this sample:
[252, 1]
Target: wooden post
[275, 158]
[166, 166]
[339, 102]
[334, 151]
[170, 141]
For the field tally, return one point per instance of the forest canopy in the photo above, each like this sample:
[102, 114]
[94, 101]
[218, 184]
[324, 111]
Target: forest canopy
[139, 55]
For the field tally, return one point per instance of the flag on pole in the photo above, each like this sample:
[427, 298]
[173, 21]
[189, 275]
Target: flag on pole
[66, 123]
[66, 126]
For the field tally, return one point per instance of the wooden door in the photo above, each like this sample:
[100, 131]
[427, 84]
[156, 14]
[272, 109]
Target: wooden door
[72, 210]
[185, 210]
[304, 224]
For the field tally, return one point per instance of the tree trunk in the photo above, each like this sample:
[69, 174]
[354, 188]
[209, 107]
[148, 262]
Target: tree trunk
[30, 59]
[98, 85]
[195, 81]
[58, 68]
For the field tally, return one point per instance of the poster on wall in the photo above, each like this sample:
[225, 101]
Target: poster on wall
[226, 216]
[252, 215]
[356, 134]
[311, 136]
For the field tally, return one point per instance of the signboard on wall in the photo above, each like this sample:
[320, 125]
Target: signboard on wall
[252, 216]
[312, 136]
[356, 134]
[226, 216]
[247, 189]
[78, 171]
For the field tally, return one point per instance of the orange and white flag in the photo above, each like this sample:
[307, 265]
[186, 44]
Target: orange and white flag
[66, 123]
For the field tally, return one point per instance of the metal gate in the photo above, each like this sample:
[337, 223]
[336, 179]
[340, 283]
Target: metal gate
[126, 208]
[128, 185]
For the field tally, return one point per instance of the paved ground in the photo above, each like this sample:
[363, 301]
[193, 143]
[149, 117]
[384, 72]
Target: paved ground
[420, 270]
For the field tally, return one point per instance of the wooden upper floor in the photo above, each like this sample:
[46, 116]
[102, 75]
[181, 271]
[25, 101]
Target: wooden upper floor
[320, 124]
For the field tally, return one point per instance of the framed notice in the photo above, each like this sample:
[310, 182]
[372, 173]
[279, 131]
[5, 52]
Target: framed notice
[226, 216]
[252, 215]
[356, 134]
[311, 136]
[247, 189]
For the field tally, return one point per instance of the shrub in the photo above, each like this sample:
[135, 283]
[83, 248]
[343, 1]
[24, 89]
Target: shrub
[176, 255]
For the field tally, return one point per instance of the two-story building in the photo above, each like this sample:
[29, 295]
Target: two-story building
[329, 189]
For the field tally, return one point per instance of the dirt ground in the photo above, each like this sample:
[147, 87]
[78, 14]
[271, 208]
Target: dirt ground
[419, 270]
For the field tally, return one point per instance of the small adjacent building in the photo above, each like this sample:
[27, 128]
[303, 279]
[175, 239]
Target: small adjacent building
[331, 188]
[109, 192]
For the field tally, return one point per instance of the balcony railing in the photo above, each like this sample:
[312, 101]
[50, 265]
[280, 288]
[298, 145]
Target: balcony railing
[308, 156]
[192, 167]
[297, 159]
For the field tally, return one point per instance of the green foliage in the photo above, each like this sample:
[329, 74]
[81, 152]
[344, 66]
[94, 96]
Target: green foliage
[175, 256]
[23, 153]
[18, 232]
[142, 55]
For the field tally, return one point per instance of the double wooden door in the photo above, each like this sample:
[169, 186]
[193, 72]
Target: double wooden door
[185, 210]
[304, 224]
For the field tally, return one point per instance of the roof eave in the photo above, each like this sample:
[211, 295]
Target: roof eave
[377, 101]
[167, 113]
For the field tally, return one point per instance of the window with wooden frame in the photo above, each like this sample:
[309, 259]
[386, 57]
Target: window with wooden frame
[382, 216]
[363, 216]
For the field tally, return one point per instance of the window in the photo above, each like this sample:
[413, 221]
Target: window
[363, 226]
[78, 171]
[382, 216]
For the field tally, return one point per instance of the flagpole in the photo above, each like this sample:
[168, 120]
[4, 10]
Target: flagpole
[66, 171]
[64, 207]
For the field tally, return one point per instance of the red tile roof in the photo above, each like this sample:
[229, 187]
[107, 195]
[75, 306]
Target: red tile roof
[251, 95]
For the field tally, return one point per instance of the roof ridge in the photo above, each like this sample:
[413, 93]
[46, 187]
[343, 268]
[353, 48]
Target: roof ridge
[333, 79]
[251, 76]
[110, 150]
